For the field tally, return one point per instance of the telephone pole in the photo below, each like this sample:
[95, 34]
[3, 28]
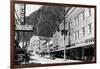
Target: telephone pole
[64, 36]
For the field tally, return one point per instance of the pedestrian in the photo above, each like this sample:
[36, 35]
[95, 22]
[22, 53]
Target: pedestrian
[26, 57]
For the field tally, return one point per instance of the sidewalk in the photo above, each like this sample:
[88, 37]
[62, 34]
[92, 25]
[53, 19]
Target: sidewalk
[42, 60]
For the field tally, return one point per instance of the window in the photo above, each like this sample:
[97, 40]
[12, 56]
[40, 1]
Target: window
[89, 28]
[71, 37]
[83, 31]
[71, 31]
[88, 12]
[78, 34]
[70, 23]
[73, 22]
[81, 16]
[58, 30]
[51, 49]
[64, 32]
[76, 20]
[75, 35]
[56, 47]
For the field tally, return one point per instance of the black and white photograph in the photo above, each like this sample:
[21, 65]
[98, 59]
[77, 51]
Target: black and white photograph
[53, 34]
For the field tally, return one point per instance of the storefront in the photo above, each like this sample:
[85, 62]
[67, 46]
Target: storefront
[85, 53]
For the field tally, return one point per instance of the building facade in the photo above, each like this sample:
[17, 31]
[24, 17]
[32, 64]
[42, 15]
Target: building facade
[81, 29]
[74, 38]
[78, 35]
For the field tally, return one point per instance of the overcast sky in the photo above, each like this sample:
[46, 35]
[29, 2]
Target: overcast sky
[31, 8]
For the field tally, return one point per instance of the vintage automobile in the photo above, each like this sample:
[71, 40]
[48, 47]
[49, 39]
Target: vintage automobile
[50, 57]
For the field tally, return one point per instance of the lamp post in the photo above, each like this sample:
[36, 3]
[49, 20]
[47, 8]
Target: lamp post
[64, 36]
[48, 47]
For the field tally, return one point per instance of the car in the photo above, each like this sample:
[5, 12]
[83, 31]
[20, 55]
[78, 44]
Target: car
[52, 57]
[47, 56]
[19, 58]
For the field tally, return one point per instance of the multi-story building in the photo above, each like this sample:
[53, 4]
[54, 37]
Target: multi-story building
[57, 48]
[34, 44]
[79, 35]
[40, 45]
[75, 36]
[47, 46]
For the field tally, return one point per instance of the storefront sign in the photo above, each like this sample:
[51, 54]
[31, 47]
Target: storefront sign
[24, 27]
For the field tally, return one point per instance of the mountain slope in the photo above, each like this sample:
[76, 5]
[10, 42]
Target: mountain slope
[46, 19]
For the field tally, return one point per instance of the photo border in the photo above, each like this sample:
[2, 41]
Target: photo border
[12, 33]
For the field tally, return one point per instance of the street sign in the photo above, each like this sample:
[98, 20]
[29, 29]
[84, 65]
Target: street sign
[24, 27]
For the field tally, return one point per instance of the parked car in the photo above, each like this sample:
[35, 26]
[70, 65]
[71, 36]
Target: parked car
[47, 56]
[19, 58]
[50, 57]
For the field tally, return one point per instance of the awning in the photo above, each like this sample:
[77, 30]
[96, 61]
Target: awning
[76, 46]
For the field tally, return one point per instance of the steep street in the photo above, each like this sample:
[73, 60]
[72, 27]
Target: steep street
[43, 60]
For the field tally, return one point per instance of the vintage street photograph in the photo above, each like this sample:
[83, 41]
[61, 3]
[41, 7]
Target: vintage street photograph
[50, 34]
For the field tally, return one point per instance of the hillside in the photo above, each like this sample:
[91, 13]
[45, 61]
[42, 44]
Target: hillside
[46, 19]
